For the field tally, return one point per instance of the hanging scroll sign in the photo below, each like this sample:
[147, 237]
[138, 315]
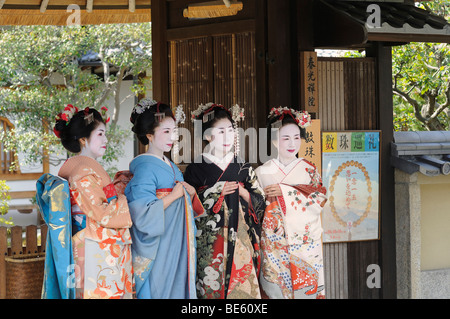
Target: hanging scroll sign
[309, 88]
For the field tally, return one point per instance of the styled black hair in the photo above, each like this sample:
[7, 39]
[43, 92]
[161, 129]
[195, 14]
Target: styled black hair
[146, 122]
[287, 119]
[78, 127]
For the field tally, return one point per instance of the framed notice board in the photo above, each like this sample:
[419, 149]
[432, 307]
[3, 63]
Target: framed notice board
[350, 173]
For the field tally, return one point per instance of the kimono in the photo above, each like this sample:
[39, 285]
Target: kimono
[53, 198]
[163, 249]
[291, 239]
[101, 240]
[229, 234]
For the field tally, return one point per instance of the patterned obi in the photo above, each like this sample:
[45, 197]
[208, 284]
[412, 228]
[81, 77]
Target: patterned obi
[163, 192]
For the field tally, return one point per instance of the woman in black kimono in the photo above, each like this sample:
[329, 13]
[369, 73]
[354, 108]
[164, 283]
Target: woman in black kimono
[228, 237]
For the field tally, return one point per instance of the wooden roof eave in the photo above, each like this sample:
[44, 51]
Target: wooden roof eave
[334, 29]
[409, 34]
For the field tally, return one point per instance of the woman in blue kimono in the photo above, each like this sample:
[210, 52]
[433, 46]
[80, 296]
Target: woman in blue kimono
[162, 207]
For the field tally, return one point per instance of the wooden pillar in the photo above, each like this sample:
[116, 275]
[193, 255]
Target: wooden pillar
[387, 251]
[282, 67]
[160, 61]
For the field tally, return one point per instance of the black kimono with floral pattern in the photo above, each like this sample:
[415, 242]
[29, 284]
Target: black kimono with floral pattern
[228, 236]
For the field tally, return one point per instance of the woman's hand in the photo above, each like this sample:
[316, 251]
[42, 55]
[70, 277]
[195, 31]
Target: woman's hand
[176, 193]
[229, 188]
[244, 193]
[273, 190]
[190, 189]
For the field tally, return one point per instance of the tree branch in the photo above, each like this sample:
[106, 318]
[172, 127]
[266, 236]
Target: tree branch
[414, 103]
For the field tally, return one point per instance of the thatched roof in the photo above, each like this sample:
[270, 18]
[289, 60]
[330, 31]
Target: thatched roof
[57, 12]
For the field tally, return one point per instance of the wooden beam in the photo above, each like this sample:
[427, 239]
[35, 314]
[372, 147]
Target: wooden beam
[89, 5]
[132, 5]
[2, 2]
[44, 4]
[160, 51]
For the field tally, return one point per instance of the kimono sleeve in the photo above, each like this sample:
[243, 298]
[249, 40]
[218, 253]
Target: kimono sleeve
[196, 201]
[257, 204]
[147, 211]
[92, 200]
[319, 195]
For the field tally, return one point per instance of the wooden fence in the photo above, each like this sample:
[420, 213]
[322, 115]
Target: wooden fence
[18, 240]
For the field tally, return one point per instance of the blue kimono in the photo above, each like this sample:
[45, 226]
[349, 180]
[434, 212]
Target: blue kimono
[53, 198]
[163, 248]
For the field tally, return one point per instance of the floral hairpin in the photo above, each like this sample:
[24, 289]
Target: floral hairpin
[143, 104]
[303, 119]
[180, 116]
[105, 116]
[237, 113]
[205, 112]
[67, 114]
[206, 116]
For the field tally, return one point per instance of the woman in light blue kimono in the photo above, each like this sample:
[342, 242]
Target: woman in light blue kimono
[162, 208]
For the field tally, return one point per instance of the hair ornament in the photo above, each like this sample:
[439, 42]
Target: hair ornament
[66, 115]
[180, 116]
[143, 104]
[303, 119]
[205, 112]
[88, 117]
[237, 113]
[105, 116]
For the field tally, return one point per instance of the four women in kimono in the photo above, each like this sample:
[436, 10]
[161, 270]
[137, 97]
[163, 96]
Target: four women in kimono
[256, 233]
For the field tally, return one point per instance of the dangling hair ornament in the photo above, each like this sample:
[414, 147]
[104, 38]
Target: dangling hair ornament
[303, 119]
[88, 117]
[158, 115]
[105, 116]
[237, 114]
[180, 118]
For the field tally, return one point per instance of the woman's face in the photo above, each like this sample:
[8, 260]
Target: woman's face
[95, 145]
[289, 141]
[221, 139]
[163, 138]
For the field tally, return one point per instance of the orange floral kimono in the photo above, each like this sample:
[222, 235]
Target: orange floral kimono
[291, 237]
[100, 232]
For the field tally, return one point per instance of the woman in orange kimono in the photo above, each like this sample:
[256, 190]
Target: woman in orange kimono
[100, 218]
[291, 237]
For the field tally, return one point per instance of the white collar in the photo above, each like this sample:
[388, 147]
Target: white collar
[221, 162]
[287, 168]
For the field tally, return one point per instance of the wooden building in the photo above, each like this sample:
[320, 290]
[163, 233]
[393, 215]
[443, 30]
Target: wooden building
[251, 52]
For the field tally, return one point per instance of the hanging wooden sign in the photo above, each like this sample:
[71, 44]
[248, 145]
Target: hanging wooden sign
[309, 82]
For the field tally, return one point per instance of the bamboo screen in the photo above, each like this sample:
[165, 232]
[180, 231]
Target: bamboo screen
[219, 69]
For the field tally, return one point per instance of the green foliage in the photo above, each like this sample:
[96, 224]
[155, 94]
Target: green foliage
[421, 77]
[4, 199]
[40, 74]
